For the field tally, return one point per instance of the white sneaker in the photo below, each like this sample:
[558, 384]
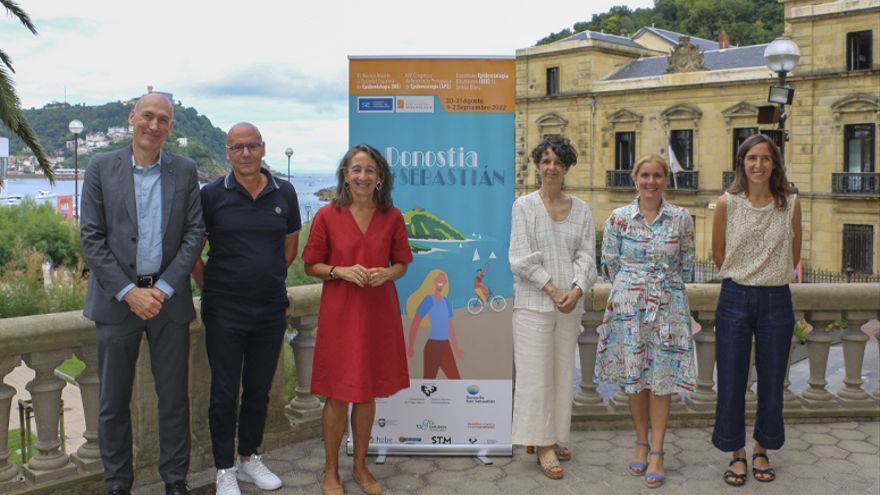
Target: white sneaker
[254, 471]
[226, 482]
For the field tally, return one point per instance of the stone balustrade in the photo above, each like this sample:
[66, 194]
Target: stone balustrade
[43, 342]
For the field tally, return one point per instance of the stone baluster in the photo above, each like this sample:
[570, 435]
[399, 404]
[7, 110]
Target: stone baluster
[819, 341]
[88, 455]
[8, 471]
[588, 399]
[854, 342]
[872, 329]
[703, 399]
[51, 462]
[304, 405]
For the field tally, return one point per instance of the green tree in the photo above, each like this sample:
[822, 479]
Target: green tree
[10, 105]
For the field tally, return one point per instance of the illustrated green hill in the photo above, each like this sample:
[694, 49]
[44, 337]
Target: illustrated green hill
[423, 224]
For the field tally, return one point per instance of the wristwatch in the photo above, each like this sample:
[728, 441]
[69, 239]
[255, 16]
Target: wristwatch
[330, 274]
[576, 286]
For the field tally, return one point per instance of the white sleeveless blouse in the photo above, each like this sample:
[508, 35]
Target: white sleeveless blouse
[757, 247]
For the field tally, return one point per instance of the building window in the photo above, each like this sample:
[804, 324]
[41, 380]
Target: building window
[624, 150]
[683, 147]
[552, 81]
[858, 248]
[739, 135]
[858, 50]
[858, 145]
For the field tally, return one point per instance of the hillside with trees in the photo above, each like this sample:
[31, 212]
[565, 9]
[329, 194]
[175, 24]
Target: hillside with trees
[747, 22]
[205, 142]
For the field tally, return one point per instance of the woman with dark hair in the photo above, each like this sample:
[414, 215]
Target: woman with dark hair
[552, 256]
[756, 242]
[358, 246]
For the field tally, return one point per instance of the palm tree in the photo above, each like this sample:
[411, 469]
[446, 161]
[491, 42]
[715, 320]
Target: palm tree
[10, 105]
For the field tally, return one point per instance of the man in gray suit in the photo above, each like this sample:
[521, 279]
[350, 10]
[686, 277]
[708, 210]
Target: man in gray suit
[141, 232]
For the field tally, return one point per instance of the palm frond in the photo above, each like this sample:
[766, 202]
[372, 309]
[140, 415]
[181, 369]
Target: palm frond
[6, 60]
[13, 8]
[12, 117]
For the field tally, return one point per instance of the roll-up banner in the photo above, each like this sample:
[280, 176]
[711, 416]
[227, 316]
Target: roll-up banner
[445, 125]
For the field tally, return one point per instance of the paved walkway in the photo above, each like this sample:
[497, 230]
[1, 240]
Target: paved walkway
[825, 459]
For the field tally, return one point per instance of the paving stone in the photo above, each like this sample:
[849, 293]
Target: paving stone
[852, 434]
[455, 463]
[857, 446]
[819, 438]
[693, 433]
[299, 478]
[870, 462]
[598, 434]
[851, 425]
[870, 427]
[484, 473]
[406, 482]
[694, 445]
[435, 490]
[811, 427]
[416, 466]
[795, 456]
[828, 451]
[795, 444]
[477, 488]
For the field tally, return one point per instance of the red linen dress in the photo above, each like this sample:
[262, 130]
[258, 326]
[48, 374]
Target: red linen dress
[360, 352]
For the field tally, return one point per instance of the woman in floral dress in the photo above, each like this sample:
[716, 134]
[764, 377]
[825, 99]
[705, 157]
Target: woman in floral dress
[646, 344]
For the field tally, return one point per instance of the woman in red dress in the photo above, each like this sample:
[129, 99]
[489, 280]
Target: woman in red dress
[358, 246]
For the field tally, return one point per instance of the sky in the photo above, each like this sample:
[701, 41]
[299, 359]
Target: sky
[282, 65]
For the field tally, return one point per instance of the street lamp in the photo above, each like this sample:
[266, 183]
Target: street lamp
[782, 56]
[289, 153]
[75, 127]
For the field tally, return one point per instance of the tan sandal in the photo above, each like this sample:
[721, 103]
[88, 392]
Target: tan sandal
[551, 468]
[371, 488]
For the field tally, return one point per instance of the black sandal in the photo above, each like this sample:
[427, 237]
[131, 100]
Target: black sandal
[736, 479]
[769, 474]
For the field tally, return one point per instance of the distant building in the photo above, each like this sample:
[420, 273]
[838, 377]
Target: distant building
[618, 98]
[182, 141]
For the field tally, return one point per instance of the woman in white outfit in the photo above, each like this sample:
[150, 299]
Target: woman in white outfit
[552, 256]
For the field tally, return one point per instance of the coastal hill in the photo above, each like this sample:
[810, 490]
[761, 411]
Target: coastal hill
[422, 224]
[205, 143]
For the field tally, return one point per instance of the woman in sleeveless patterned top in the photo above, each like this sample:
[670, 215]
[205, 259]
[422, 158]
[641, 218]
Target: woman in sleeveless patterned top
[756, 242]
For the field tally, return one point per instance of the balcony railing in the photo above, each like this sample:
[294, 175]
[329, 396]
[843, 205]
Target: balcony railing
[619, 179]
[688, 180]
[861, 183]
[42, 342]
[727, 179]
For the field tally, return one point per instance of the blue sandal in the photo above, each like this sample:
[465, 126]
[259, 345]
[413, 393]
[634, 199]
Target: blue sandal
[637, 468]
[654, 480]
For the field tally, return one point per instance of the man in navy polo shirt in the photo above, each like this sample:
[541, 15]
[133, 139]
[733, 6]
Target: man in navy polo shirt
[252, 222]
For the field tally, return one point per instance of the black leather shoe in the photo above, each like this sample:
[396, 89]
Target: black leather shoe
[118, 491]
[176, 488]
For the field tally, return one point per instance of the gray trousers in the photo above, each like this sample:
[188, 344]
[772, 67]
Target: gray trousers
[118, 346]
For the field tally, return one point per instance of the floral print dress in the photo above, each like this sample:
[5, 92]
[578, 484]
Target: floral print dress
[645, 339]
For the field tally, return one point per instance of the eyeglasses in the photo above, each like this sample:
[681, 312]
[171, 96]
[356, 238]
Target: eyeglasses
[239, 148]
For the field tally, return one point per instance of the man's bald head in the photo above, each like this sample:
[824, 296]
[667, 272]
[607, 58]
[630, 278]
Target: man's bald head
[243, 128]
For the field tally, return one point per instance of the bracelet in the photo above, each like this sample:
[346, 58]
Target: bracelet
[330, 274]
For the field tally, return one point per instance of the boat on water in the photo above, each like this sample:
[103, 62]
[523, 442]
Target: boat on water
[46, 194]
[12, 199]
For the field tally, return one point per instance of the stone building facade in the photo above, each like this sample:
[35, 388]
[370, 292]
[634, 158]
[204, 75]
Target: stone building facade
[618, 98]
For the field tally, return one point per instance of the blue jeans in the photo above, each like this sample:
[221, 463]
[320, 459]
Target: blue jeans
[767, 313]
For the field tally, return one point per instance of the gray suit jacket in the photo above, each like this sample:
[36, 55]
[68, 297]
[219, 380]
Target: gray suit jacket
[109, 232]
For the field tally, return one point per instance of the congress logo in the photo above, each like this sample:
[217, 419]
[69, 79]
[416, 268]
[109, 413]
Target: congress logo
[410, 439]
[473, 389]
[430, 425]
[472, 440]
[428, 389]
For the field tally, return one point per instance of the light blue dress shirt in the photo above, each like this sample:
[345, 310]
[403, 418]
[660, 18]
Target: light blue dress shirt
[148, 199]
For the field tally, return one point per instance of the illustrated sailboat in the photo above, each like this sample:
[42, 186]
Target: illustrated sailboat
[476, 256]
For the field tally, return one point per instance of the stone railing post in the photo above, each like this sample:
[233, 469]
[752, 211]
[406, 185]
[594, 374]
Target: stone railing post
[703, 399]
[51, 462]
[8, 471]
[818, 345]
[872, 329]
[304, 405]
[88, 455]
[854, 341]
[587, 400]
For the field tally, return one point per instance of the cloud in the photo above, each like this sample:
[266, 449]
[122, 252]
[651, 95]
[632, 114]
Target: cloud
[260, 81]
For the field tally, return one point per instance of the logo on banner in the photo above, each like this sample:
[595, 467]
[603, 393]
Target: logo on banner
[472, 440]
[476, 425]
[383, 422]
[429, 389]
[441, 440]
[381, 439]
[375, 104]
[410, 439]
[430, 425]
[474, 396]
[415, 104]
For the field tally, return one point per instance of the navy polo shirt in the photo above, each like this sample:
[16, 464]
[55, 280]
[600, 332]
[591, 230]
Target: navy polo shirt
[246, 238]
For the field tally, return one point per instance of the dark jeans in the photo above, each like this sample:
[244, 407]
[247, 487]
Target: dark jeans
[243, 339]
[767, 313]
